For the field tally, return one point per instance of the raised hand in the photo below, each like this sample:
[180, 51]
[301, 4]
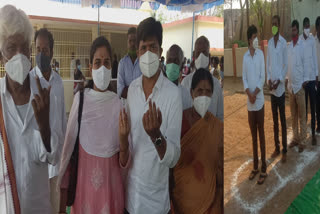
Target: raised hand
[124, 129]
[152, 120]
[41, 108]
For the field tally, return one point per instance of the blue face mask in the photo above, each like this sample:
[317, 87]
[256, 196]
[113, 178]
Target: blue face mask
[79, 67]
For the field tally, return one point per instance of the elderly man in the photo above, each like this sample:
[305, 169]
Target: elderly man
[128, 68]
[156, 115]
[44, 53]
[202, 56]
[174, 66]
[28, 140]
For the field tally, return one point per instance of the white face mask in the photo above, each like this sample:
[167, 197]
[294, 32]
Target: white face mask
[255, 43]
[101, 77]
[307, 31]
[149, 64]
[201, 104]
[18, 68]
[202, 61]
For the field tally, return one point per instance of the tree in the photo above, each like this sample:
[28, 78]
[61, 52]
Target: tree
[248, 12]
[242, 15]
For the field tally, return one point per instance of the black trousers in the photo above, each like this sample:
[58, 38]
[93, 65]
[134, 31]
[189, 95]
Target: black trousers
[311, 93]
[318, 105]
[278, 105]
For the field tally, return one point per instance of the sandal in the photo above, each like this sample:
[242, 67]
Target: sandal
[262, 178]
[253, 174]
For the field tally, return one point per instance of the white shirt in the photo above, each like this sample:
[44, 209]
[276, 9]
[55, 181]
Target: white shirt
[296, 60]
[277, 64]
[318, 53]
[186, 98]
[253, 76]
[59, 113]
[72, 68]
[29, 156]
[148, 177]
[216, 105]
[311, 64]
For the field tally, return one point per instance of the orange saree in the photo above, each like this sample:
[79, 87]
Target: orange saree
[198, 175]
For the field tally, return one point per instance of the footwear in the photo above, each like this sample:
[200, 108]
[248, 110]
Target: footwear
[275, 153]
[314, 140]
[262, 178]
[253, 174]
[301, 148]
[293, 144]
[284, 158]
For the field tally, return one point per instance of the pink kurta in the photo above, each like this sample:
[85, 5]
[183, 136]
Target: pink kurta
[100, 188]
[99, 185]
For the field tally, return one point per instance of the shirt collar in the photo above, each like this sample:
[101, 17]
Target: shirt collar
[40, 75]
[158, 84]
[129, 58]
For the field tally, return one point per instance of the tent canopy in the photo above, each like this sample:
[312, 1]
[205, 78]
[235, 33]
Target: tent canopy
[178, 5]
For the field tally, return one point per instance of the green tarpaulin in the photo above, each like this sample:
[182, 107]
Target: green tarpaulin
[308, 201]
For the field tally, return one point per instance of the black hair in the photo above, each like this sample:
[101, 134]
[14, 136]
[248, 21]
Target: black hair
[318, 22]
[78, 62]
[204, 39]
[277, 17]
[101, 41]
[306, 21]
[201, 74]
[251, 30]
[222, 60]
[46, 33]
[216, 59]
[149, 28]
[132, 30]
[295, 23]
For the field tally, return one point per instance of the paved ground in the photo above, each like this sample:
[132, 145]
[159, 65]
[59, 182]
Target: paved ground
[285, 181]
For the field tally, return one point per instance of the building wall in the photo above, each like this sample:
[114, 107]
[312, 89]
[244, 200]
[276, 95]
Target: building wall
[305, 8]
[182, 36]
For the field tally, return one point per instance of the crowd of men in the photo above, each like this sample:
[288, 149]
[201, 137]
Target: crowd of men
[295, 66]
[37, 143]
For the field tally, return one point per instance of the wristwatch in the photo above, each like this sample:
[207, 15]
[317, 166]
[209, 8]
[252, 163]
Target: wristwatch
[158, 141]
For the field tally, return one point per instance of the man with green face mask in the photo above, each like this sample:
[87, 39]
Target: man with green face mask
[128, 69]
[277, 67]
[174, 64]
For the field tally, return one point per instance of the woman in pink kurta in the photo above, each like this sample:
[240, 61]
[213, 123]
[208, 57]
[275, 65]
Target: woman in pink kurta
[103, 153]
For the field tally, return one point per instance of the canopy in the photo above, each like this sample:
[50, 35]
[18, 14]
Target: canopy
[178, 5]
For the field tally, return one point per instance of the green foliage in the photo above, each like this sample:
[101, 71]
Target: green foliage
[240, 43]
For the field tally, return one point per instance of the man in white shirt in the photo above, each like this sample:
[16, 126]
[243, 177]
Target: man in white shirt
[202, 56]
[311, 69]
[253, 75]
[28, 140]
[317, 36]
[296, 79]
[155, 109]
[44, 53]
[174, 66]
[277, 67]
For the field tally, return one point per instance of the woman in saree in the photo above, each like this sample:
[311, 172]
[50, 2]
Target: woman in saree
[103, 143]
[197, 179]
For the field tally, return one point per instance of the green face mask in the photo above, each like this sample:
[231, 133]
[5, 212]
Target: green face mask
[173, 71]
[274, 30]
[132, 53]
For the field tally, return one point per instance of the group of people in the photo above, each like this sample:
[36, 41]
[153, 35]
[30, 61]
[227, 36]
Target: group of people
[154, 147]
[295, 66]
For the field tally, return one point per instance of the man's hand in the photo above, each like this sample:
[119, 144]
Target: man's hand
[124, 129]
[41, 108]
[124, 93]
[270, 85]
[152, 120]
[275, 86]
